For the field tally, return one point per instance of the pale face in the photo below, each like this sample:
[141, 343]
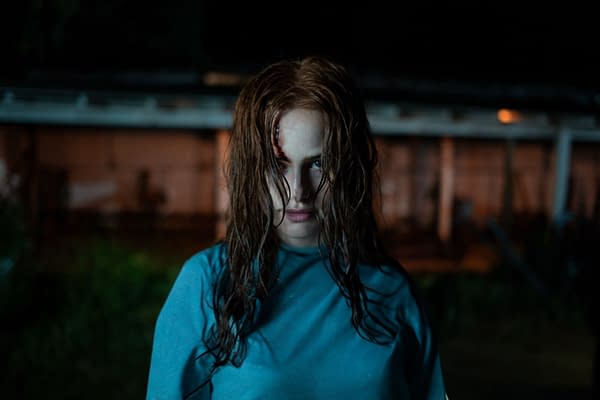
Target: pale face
[298, 149]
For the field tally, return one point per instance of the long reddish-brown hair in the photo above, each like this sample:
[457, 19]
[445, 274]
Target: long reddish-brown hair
[348, 224]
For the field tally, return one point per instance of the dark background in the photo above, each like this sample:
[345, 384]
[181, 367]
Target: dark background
[481, 42]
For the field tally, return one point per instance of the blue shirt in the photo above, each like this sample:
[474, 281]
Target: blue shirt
[303, 345]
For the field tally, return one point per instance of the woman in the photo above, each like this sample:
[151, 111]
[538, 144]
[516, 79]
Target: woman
[300, 300]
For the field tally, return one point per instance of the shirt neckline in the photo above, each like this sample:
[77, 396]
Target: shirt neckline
[309, 250]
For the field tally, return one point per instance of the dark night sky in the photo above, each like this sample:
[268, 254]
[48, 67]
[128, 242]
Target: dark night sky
[461, 40]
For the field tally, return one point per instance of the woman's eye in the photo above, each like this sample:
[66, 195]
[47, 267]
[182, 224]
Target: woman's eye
[316, 164]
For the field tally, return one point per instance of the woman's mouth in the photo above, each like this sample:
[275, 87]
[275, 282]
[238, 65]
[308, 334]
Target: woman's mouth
[299, 215]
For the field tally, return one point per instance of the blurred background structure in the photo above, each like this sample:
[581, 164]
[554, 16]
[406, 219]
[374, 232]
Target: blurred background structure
[114, 121]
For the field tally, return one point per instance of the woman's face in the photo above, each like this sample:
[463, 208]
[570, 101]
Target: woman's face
[298, 148]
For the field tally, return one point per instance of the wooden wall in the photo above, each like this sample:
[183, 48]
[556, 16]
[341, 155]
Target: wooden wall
[103, 168]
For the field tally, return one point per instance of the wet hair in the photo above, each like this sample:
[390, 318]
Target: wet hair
[348, 232]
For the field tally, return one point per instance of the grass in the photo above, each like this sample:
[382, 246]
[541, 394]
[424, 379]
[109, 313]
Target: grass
[83, 330]
[500, 339]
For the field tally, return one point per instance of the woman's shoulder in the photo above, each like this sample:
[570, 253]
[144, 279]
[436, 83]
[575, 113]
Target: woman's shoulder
[388, 273]
[390, 284]
[204, 265]
[211, 255]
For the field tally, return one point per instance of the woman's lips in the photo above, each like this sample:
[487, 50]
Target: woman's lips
[299, 215]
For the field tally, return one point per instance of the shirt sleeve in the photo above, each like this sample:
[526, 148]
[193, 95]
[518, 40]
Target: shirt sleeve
[179, 365]
[424, 372]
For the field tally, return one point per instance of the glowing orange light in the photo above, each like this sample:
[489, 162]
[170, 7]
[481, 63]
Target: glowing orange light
[507, 116]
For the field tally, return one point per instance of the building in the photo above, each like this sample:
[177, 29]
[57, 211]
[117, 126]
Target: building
[451, 154]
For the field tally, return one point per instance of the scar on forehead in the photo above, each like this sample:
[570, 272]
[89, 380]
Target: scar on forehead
[276, 143]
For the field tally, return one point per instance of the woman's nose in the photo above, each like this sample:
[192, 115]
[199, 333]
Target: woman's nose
[301, 188]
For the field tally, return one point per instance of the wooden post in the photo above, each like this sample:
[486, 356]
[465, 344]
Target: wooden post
[221, 194]
[446, 188]
[4, 174]
[562, 159]
[508, 194]
[30, 179]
